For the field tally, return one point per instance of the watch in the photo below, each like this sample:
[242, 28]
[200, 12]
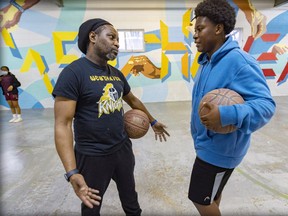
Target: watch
[70, 173]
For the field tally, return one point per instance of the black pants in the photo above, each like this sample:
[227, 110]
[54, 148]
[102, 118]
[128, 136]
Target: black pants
[119, 166]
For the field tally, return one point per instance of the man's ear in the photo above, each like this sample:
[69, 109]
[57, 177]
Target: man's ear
[92, 36]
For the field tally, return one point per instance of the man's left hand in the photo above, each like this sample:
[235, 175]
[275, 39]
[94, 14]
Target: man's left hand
[160, 131]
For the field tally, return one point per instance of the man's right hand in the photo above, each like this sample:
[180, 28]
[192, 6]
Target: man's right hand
[86, 194]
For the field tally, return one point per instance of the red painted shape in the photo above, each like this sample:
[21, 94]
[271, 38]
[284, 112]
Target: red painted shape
[283, 74]
[270, 37]
[267, 57]
[268, 72]
[248, 44]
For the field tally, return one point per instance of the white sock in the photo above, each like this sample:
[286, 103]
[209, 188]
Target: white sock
[18, 115]
[14, 115]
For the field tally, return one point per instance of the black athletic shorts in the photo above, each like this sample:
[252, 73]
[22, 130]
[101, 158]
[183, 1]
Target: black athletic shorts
[207, 182]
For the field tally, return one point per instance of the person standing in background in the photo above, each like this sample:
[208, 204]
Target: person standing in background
[9, 85]
[222, 65]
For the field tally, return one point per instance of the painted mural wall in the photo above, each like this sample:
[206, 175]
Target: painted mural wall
[39, 40]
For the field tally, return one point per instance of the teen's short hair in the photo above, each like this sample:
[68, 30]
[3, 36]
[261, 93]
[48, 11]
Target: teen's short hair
[219, 12]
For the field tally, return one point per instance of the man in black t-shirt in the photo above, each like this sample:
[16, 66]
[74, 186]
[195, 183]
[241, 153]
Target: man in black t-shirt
[89, 95]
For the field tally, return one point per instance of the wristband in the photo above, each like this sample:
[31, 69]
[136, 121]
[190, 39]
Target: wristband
[70, 173]
[153, 123]
[15, 4]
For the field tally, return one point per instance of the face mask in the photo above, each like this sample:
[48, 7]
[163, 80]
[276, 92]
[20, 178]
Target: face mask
[3, 73]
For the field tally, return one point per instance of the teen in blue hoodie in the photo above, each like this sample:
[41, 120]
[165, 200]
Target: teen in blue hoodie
[223, 65]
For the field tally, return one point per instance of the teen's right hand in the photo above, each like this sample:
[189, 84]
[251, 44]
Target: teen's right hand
[211, 120]
[87, 195]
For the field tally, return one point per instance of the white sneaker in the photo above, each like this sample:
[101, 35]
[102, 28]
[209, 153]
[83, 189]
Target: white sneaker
[19, 119]
[13, 119]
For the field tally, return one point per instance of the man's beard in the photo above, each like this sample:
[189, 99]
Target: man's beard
[111, 56]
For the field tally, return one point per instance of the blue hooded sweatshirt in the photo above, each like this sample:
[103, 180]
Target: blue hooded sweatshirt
[232, 68]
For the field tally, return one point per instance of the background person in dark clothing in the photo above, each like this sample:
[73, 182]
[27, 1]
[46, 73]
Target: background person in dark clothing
[9, 85]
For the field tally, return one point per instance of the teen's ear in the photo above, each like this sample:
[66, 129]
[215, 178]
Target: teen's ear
[219, 28]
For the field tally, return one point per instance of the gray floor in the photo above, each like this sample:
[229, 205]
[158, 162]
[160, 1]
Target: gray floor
[33, 184]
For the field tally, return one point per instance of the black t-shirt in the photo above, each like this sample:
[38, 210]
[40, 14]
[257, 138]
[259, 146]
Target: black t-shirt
[98, 121]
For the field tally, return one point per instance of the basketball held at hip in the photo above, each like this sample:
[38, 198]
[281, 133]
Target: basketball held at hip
[136, 123]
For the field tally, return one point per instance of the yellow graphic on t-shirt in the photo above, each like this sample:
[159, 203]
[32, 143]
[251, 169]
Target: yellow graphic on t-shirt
[110, 100]
[104, 78]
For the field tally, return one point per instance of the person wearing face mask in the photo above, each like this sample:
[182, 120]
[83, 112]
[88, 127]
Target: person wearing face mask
[9, 85]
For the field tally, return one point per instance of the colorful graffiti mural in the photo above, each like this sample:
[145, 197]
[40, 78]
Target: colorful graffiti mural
[38, 44]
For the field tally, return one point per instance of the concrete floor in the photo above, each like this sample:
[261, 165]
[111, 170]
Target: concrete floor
[33, 184]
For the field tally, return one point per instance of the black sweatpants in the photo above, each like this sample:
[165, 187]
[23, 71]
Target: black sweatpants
[119, 166]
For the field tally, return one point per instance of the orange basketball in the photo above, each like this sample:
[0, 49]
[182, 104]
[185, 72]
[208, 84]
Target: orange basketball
[136, 123]
[221, 96]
